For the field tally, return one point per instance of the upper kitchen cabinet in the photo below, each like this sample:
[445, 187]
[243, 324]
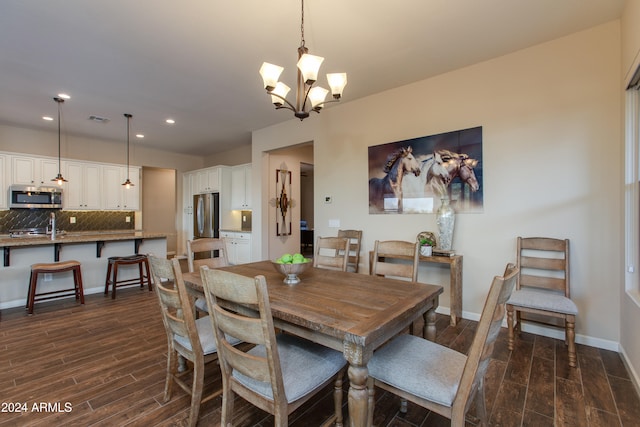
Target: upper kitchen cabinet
[33, 170]
[84, 187]
[207, 180]
[116, 196]
[241, 187]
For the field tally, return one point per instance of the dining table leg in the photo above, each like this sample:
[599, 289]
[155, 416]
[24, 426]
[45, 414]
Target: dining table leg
[429, 331]
[357, 356]
[358, 395]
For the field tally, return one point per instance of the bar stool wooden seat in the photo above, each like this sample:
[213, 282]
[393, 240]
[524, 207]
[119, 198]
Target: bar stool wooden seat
[112, 273]
[56, 267]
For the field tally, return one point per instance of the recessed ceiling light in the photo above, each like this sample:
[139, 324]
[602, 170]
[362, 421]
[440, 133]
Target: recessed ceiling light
[139, 135]
[47, 118]
[64, 96]
[170, 121]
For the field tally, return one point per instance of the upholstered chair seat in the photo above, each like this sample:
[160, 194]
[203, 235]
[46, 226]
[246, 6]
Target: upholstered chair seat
[304, 366]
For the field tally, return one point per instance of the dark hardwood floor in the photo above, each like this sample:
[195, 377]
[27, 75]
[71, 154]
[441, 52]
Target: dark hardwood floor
[104, 364]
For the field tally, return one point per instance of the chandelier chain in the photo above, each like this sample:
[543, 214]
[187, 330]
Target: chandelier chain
[302, 25]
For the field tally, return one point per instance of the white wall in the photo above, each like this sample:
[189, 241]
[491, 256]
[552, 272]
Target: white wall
[552, 154]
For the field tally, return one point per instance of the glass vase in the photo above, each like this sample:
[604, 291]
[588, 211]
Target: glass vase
[445, 219]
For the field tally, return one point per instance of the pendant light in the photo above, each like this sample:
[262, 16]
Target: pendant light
[128, 183]
[59, 179]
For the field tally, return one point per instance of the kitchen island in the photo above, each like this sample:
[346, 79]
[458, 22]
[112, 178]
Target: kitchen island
[92, 249]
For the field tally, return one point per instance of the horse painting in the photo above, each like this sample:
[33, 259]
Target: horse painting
[389, 188]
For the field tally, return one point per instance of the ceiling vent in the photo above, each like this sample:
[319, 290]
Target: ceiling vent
[99, 119]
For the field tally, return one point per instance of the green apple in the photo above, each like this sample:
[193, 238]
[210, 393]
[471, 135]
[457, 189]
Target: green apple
[298, 259]
[287, 258]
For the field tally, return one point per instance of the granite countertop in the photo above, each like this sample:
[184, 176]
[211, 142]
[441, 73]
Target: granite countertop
[235, 230]
[79, 237]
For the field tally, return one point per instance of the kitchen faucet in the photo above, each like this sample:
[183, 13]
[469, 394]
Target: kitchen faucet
[52, 224]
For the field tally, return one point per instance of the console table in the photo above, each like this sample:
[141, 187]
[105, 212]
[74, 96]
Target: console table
[455, 281]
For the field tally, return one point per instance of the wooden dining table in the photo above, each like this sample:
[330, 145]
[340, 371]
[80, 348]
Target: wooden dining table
[349, 312]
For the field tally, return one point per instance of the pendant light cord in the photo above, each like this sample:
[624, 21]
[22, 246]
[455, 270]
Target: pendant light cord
[128, 116]
[59, 161]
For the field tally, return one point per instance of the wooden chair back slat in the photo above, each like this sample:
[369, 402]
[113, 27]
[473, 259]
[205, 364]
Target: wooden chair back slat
[558, 284]
[542, 263]
[542, 244]
[355, 241]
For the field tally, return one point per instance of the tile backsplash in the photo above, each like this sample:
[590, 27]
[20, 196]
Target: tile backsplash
[16, 219]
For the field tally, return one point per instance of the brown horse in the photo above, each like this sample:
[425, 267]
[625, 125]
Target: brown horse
[388, 190]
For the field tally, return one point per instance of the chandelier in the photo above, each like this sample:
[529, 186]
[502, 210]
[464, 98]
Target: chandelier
[306, 93]
[59, 179]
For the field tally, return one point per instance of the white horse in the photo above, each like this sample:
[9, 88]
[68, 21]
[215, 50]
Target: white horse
[437, 172]
[433, 174]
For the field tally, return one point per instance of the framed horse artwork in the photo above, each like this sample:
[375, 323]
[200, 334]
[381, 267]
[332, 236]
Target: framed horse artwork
[413, 175]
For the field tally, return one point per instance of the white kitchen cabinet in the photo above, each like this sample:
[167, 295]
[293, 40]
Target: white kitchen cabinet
[131, 196]
[33, 170]
[84, 187]
[238, 246]
[116, 196]
[241, 187]
[3, 182]
[207, 180]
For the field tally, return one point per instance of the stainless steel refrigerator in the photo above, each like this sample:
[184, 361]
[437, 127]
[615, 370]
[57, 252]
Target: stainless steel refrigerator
[206, 215]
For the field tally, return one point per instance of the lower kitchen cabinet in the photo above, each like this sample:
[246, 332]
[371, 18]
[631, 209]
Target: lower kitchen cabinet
[238, 246]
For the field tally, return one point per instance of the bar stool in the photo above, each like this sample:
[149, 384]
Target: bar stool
[112, 272]
[56, 267]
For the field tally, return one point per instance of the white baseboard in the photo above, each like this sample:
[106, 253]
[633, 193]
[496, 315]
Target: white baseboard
[546, 331]
[23, 302]
[635, 379]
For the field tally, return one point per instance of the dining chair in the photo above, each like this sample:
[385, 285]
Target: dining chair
[206, 246]
[208, 251]
[386, 255]
[331, 253]
[396, 259]
[542, 289]
[282, 371]
[355, 240]
[187, 337]
[439, 378]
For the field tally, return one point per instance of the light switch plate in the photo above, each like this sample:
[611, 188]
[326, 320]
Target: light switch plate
[334, 223]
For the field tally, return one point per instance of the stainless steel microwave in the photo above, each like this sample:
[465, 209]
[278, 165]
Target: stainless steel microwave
[32, 197]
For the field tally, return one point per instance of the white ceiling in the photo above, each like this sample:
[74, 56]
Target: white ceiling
[197, 61]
